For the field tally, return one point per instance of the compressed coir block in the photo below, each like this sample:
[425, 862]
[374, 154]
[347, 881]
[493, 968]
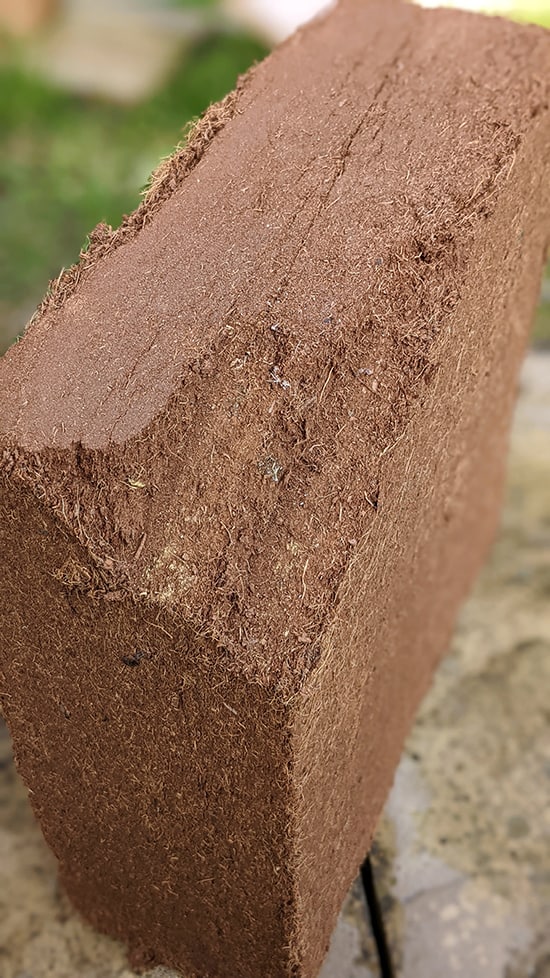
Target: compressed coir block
[252, 453]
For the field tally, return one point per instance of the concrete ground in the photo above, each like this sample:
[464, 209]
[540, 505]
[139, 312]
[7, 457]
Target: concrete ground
[463, 850]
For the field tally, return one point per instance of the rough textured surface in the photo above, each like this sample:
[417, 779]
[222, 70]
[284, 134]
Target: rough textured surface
[255, 445]
[462, 851]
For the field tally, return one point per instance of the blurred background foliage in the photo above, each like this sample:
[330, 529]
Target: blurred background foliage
[71, 157]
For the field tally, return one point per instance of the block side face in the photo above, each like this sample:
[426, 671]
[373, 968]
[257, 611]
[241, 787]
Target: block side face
[439, 508]
[160, 779]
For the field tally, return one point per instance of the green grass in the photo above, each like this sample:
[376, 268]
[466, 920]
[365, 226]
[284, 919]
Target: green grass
[67, 163]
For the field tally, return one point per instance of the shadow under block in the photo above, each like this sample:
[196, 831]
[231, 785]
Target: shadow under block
[252, 453]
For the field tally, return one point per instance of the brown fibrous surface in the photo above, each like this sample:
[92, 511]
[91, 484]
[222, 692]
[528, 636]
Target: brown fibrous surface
[254, 445]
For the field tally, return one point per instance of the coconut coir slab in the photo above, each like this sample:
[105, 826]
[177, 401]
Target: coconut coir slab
[252, 453]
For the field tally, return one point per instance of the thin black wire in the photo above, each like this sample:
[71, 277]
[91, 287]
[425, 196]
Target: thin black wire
[376, 920]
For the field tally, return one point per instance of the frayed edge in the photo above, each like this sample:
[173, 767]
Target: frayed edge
[164, 182]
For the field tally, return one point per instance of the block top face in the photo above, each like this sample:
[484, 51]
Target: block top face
[215, 388]
[366, 136]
